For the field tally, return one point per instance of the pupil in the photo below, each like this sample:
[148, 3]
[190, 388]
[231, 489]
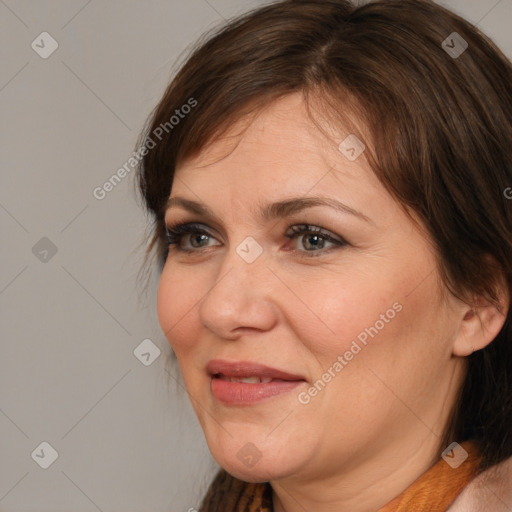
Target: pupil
[194, 239]
[318, 241]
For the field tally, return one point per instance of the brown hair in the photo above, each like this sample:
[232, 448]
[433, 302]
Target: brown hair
[440, 128]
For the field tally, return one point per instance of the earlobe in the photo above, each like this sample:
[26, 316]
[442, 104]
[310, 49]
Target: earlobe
[480, 325]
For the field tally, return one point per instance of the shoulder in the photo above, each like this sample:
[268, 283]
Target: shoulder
[489, 491]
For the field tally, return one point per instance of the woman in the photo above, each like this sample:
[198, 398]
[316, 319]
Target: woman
[329, 190]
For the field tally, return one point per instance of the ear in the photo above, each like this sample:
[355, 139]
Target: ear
[481, 322]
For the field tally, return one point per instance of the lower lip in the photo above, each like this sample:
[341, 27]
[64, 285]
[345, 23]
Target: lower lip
[242, 393]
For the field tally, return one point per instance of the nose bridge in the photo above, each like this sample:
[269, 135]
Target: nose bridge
[243, 263]
[239, 297]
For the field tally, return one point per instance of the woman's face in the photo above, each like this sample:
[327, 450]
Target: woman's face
[354, 315]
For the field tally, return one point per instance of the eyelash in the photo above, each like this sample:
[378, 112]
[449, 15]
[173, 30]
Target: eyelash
[174, 234]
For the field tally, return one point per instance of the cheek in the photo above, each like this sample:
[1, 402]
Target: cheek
[176, 303]
[342, 310]
[370, 321]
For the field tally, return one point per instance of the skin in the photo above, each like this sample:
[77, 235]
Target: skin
[377, 425]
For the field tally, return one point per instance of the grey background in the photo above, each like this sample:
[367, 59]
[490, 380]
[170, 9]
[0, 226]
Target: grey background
[127, 438]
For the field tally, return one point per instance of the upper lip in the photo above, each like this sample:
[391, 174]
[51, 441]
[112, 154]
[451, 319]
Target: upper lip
[240, 369]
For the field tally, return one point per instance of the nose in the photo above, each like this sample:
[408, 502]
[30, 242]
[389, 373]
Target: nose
[242, 298]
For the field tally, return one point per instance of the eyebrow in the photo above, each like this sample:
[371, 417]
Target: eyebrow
[271, 211]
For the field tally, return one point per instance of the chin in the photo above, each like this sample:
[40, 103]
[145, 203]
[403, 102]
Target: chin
[255, 464]
[261, 472]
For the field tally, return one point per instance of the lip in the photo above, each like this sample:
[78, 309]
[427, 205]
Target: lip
[240, 369]
[241, 393]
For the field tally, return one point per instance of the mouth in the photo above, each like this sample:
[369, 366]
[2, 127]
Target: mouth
[248, 380]
[244, 383]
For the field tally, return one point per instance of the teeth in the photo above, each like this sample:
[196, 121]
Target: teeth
[250, 380]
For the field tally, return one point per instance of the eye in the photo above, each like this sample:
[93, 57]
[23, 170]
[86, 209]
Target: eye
[180, 234]
[190, 238]
[314, 238]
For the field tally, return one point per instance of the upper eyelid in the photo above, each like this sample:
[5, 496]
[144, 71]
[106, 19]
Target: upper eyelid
[189, 225]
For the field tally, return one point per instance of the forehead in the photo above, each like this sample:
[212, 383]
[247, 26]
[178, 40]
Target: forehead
[282, 141]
